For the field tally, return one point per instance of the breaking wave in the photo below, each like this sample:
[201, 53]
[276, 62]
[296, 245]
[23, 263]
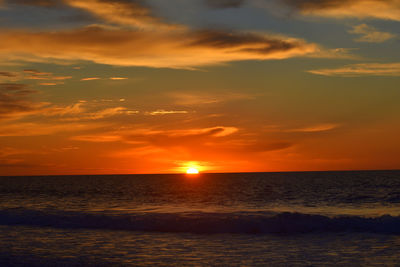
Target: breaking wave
[203, 222]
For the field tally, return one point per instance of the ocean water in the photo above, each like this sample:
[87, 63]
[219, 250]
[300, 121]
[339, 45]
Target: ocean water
[244, 219]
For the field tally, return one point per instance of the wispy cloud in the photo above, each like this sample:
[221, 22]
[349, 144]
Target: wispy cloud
[366, 69]
[90, 79]
[118, 78]
[32, 74]
[151, 49]
[49, 84]
[160, 137]
[166, 112]
[15, 101]
[82, 112]
[316, 128]
[43, 128]
[378, 9]
[74, 109]
[370, 34]
[122, 12]
[109, 112]
[8, 74]
[188, 99]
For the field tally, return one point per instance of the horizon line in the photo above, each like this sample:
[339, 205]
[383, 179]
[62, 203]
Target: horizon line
[181, 173]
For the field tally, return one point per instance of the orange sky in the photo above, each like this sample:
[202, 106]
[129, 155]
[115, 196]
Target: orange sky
[224, 86]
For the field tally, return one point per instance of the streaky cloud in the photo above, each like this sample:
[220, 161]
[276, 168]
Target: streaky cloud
[122, 12]
[8, 74]
[316, 128]
[166, 112]
[15, 102]
[159, 138]
[178, 49]
[370, 34]
[90, 79]
[377, 9]
[358, 70]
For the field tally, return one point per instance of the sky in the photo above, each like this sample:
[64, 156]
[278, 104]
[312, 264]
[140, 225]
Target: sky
[156, 86]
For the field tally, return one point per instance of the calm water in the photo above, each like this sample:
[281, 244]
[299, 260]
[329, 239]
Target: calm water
[319, 218]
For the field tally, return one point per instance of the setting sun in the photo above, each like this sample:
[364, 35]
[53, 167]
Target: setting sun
[192, 171]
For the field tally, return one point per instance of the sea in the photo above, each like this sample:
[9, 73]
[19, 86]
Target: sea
[227, 219]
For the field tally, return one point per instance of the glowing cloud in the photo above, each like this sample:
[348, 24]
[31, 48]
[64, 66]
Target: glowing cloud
[118, 78]
[378, 9]
[370, 34]
[48, 84]
[366, 69]
[90, 79]
[316, 128]
[121, 12]
[151, 49]
[166, 112]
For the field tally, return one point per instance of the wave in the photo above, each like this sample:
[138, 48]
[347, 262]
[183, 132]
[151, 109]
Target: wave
[203, 222]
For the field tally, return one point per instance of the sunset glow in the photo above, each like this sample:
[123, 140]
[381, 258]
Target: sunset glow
[192, 171]
[199, 132]
[225, 86]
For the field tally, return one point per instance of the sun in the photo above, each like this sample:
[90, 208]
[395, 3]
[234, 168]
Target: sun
[192, 170]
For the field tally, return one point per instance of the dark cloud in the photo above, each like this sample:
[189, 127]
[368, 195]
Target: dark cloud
[40, 3]
[244, 42]
[35, 72]
[7, 74]
[320, 4]
[224, 3]
[221, 39]
[14, 100]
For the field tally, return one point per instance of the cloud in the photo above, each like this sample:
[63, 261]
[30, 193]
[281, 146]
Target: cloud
[127, 13]
[8, 74]
[15, 102]
[81, 111]
[366, 69]
[48, 84]
[109, 112]
[74, 109]
[201, 98]
[90, 79]
[152, 49]
[118, 78]
[166, 112]
[161, 138]
[377, 9]
[224, 3]
[45, 78]
[371, 35]
[316, 128]
[43, 128]
[40, 3]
